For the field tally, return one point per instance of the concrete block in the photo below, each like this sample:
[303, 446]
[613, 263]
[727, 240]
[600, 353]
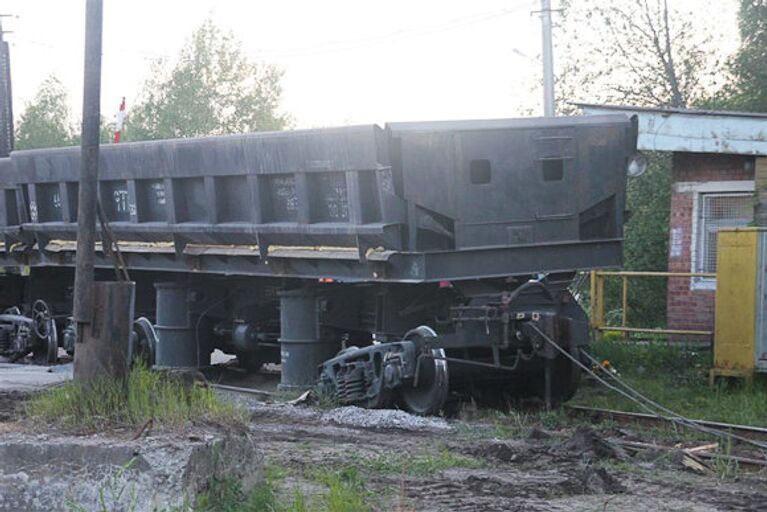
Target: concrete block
[50, 472]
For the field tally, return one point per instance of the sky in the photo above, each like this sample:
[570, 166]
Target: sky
[345, 61]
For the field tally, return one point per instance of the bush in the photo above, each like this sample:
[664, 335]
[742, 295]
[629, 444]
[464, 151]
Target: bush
[654, 357]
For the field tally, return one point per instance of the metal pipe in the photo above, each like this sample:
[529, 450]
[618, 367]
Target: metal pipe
[652, 274]
[625, 304]
[89, 164]
[656, 331]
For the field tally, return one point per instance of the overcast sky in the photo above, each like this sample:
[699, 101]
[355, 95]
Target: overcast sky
[345, 61]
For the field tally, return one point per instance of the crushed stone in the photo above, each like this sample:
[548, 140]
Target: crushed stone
[383, 418]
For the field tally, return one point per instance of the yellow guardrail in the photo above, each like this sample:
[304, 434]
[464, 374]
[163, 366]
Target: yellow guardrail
[598, 302]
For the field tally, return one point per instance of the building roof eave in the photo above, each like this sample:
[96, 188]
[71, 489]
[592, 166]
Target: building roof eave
[693, 131]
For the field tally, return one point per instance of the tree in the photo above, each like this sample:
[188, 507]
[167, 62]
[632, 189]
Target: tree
[47, 121]
[749, 65]
[212, 89]
[635, 52]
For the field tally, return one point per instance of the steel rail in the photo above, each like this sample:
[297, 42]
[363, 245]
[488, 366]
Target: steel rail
[238, 389]
[625, 417]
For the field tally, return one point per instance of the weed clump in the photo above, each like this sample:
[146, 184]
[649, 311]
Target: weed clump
[145, 395]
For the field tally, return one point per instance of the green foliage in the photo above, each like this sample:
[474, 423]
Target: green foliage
[648, 201]
[345, 491]
[113, 494]
[145, 395]
[212, 89]
[654, 358]
[673, 375]
[749, 66]
[46, 121]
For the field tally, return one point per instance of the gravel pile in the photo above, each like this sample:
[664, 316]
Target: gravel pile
[352, 416]
[383, 418]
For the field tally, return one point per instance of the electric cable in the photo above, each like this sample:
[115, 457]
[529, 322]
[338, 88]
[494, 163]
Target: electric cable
[675, 418]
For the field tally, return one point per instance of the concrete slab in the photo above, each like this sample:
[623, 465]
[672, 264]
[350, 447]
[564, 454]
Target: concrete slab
[54, 472]
[30, 377]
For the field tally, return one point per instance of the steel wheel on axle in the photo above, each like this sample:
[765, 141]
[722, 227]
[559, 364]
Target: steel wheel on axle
[143, 343]
[47, 351]
[429, 393]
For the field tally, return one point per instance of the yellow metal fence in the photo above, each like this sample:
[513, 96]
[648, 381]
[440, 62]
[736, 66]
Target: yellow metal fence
[598, 302]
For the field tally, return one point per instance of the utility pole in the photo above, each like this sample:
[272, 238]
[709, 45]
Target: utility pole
[548, 60]
[89, 165]
[6, 96]
[103, 310]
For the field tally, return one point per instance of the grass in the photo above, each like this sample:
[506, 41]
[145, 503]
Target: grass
[145, 395]
[676, 377]
[513, 424]
[421, 465]
[344, 491]
[343, 486]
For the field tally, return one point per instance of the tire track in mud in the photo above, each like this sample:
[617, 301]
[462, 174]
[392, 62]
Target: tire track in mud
[518, 474]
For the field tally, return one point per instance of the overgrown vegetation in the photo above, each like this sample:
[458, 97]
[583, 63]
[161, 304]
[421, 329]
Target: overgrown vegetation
[339, 488]
[145, 395]
[344, 490]
[648, 201]
[675, 376]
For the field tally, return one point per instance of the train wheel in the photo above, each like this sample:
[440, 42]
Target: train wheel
[143, 342]
[47, 351]
[430, 393]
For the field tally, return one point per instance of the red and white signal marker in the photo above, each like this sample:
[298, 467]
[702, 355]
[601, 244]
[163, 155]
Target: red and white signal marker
[119, 121]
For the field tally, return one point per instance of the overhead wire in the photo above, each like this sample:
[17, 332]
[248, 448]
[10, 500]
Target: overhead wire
[328, 47]
[342, 46]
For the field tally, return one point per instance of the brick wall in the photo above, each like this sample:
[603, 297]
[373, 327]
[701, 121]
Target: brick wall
[692, 308]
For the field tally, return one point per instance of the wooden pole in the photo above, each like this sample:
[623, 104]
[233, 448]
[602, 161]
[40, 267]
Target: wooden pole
[89, 166]
[103, 351]
[104, 310]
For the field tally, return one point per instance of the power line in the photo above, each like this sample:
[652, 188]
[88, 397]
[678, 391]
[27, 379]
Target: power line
[342, 46]
[330, 47]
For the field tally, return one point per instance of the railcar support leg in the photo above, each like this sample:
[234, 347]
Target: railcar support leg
[178, 344]
[303, 347]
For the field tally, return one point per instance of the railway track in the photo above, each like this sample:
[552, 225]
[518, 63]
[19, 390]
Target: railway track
[628, 418]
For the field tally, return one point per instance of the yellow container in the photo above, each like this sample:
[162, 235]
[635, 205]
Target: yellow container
[740, 333]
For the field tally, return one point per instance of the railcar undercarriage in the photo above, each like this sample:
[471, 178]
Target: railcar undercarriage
[365, 344]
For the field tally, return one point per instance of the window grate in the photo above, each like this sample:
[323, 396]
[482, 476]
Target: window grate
[717, 211]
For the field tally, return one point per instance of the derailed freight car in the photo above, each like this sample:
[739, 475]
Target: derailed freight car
[389, 265]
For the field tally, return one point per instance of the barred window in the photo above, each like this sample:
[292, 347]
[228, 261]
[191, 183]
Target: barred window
[717, 211]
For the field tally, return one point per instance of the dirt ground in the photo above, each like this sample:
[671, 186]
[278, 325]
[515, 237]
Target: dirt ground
[572, 469]
[490, 463]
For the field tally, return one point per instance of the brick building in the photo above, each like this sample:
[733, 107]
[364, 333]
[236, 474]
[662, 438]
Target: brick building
[715, 155]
